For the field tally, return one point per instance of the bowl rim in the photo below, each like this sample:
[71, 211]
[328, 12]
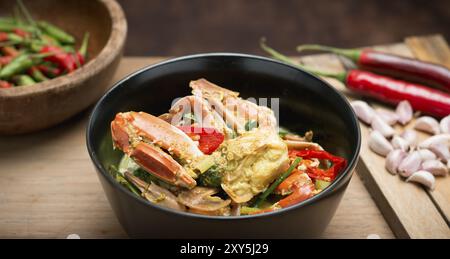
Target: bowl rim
[323, 194]
[105, 57]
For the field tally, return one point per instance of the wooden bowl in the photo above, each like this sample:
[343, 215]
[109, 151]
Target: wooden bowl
[31, 108]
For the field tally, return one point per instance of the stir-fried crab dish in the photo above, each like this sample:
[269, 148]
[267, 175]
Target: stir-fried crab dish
[215, 153]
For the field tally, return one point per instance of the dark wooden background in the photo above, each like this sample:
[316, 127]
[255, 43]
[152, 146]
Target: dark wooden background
[178, 27]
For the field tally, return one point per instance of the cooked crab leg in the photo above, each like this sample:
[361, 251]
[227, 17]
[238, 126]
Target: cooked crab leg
[145, 137]
[235, 110]
[204, 116]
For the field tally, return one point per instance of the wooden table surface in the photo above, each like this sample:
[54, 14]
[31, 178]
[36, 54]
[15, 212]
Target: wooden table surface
[49, 188]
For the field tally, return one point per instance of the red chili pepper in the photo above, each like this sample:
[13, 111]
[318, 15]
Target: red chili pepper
[10, 51]
[49, 71]
[386, 89]
[393, 65]
[209, 139]
[329, 174]
[5, 60]
[64, 60]
[21, 33]
[3, 36]
[5, 84]
[383, 88]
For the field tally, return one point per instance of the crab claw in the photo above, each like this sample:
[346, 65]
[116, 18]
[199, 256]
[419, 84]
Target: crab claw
[145, 138]
[298, 186]
[299, 194]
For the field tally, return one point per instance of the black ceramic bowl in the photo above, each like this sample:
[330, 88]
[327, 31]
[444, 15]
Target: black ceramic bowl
[306, 103]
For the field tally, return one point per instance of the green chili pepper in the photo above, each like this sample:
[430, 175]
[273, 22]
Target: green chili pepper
[68, 49]
[26, 13]
[7, 20]
[49, 40]
[84, 45]
[14, 37]
[17, 65]
[37, 74]
[10, 27]
[277, 182]
[56, 33]
[24, 80]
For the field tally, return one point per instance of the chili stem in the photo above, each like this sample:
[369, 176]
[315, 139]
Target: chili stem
[352, 54]
[84, 45]
[277, 55]
[26, 13]
[277, 182]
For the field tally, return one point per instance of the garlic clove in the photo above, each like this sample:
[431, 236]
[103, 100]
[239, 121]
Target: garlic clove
[388, 116]
[436, 139]
[394, 159]
[427, 124]
[410, 136]
[404, 112]
[381, 126]
[400, 143]
[435, 167]
[441, 151]
[423, 177]
[410, 164]
[426, 154]
[363, 111]
[379, 144]
[445, 124]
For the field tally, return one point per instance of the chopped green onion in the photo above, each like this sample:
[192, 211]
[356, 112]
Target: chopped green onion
[251, 124]
[320, 184]
[245, 210]
[277, 182]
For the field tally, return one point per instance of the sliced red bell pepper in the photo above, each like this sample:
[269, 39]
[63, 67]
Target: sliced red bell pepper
[329, 174]
[209, 139]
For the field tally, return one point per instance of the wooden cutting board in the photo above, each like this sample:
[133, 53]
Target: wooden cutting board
[411, 210]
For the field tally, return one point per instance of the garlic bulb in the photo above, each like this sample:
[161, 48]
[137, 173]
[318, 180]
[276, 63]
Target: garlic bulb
[404, 112]
[389, 117]
[427, 124]
[400, 143]
[379, 144]
[363, 111]
[423, 177]
[410, 136]
[435, 167]
[381, 126]
[436, 139]
[394, 159]
[445, 125]
[426, 154]
[410, 164]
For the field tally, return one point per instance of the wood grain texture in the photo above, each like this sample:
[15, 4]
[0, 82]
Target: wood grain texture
[411, 211]
[435, 49]
[432, 49]
[48, 187]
